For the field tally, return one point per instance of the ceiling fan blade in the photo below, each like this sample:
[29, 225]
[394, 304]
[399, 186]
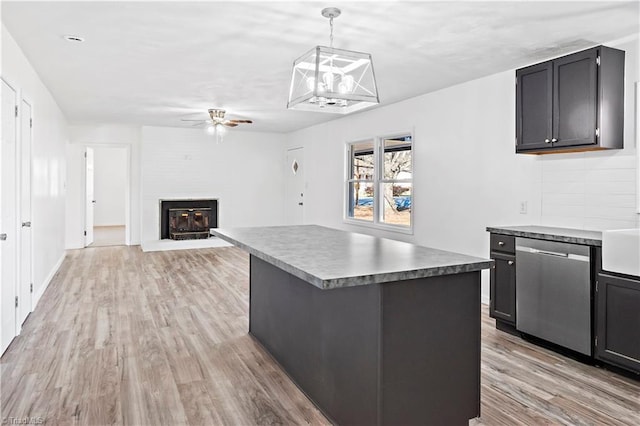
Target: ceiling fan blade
[187, 119]
[241, 121]
[229, 124]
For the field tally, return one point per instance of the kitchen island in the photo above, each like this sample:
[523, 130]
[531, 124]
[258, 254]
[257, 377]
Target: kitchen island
[374, 331]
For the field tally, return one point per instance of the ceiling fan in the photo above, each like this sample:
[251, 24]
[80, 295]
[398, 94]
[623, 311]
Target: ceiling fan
[217, 120]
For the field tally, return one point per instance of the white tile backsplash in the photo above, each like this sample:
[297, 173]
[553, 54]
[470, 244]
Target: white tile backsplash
[605, 187]
[553, 176]
[614, 200]
[590, 190]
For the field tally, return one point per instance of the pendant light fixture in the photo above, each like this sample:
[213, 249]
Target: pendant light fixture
[333, 80]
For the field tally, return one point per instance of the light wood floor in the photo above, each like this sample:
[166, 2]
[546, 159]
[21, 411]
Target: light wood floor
[125, 337]
[104, 236]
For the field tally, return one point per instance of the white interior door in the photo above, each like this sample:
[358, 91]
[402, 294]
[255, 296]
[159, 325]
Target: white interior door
[294, 199]
[25, 288]
[8, 218]
[89, 197]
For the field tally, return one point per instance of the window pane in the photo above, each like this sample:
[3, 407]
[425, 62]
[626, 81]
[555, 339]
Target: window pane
[396, 202]
[361, 200]
[362, 160]
[397, 158]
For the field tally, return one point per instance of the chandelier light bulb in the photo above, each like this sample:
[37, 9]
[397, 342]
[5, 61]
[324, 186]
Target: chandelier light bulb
[210, 129]
[348, 82]
[311, 82]
[328, 79]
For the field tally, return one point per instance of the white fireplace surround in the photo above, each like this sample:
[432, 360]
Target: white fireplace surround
[179, 163]
[169, 244]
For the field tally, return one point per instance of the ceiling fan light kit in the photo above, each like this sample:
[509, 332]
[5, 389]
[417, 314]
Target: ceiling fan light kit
[217, 124]
[332, 80]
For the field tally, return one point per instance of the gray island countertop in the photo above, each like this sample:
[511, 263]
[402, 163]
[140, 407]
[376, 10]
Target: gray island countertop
[330, 258]
[551, 233]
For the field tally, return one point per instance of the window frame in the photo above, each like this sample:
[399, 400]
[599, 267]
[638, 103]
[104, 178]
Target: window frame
[377, 182]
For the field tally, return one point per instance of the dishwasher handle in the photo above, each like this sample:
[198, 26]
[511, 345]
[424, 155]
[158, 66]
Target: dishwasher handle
[550, 253]
[553, 253]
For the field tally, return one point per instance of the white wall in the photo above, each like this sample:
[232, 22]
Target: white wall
[110, 183]
[98, 135]
[245, 172]
[466, 173]
[597, 190]
[50, 134]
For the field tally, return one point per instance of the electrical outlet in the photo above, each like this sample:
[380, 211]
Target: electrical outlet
[523, 207]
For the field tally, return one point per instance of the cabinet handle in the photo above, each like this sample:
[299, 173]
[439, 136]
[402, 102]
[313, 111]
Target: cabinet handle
[547, 141]
[500, 243]
[554, 140]
[510, 262]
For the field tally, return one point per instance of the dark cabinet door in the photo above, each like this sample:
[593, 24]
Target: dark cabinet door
[534, 92]
[503, 288]
[618, 321]
[574, 99]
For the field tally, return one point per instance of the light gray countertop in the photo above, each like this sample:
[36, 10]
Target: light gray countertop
[329, 258]
[563, 235]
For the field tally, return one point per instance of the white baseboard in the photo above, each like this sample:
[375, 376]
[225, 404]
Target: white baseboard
[485, 300]
[47, 281]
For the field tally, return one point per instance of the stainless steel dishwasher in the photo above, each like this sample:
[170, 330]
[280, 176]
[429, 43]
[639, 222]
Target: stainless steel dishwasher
[553, 292]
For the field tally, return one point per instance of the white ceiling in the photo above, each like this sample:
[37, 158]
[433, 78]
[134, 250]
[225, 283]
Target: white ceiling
[153, 63]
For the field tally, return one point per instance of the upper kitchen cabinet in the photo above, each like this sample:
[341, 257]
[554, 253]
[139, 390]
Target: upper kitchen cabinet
[572, 103]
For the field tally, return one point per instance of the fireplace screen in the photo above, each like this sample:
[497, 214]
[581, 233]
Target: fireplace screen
[188, 224]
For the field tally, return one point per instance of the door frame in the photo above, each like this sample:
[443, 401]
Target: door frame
[637, 140]
[127, 203]
[28, 101]
[16, 228]
[88, 235]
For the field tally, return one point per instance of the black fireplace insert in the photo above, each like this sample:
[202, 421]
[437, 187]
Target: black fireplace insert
[187, 219]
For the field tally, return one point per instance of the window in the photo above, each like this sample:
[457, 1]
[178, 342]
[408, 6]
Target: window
[380, 182]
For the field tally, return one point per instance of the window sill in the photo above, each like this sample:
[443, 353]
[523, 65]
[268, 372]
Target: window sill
[380, 226]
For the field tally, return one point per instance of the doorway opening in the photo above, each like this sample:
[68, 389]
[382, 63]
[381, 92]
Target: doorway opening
[107, 196]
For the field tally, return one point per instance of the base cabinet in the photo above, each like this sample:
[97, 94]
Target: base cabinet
[618, 321]
[503, 288]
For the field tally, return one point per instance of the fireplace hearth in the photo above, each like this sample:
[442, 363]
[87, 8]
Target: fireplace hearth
[187, 219]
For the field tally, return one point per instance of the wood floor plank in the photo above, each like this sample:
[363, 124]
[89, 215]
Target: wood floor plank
[123, 337]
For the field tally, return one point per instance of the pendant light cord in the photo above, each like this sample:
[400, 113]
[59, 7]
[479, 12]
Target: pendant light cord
[331, 35]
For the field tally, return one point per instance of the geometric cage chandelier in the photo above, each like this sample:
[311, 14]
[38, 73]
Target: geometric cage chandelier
[326, 79]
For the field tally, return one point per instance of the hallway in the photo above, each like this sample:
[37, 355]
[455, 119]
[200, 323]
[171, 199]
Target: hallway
[105, 236]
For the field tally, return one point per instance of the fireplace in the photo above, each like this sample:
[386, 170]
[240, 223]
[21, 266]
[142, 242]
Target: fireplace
[187, 219]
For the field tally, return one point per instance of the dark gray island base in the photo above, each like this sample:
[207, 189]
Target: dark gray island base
[399, 351]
